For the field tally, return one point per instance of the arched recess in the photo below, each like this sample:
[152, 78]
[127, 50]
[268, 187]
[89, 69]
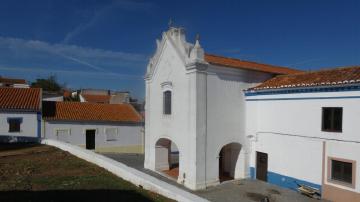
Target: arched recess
[228, 157]
[167, 157]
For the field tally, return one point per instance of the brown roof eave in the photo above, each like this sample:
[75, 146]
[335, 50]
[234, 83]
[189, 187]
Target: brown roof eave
[298, 87]
[248, 69]
[19, 110]
[94, 121]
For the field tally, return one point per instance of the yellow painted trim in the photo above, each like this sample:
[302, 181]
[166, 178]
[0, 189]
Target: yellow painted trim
[138, 149]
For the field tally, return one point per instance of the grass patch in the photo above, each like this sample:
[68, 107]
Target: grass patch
[44, 173]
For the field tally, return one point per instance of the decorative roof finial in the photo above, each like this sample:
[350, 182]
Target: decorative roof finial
[197, 53]
[197, 37]
[197, 41]
[171, 23]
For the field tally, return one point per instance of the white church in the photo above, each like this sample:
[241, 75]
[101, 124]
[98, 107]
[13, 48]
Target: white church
[211, 118]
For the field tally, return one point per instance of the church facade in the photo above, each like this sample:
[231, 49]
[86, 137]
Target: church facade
[207, 122]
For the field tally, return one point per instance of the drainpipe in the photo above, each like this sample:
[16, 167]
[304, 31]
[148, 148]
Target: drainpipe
[44, 128]
[206, 125]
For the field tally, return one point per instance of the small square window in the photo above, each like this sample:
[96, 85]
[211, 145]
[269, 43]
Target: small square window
[332, 119]
[342, 171]
[63, 135]
[14, 124]
[111, 134]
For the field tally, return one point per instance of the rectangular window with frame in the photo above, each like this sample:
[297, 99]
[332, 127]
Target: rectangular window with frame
[14, 125]
[332, 119]
[63, 135]
[342, 171]
[111, 134]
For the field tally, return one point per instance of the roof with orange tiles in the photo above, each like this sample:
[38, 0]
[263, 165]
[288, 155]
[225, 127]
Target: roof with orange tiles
[328, 77]
[84, 111]
[96, 98]
[27, 99]
[12, 81]
[67, 93]
[242, 64]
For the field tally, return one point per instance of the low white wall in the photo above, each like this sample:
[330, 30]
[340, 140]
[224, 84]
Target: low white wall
[127, 173]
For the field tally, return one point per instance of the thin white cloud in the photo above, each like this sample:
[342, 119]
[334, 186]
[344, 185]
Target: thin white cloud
[71, 72]
[98, 14]
[83, 62]
[80, 55]
[17, 44]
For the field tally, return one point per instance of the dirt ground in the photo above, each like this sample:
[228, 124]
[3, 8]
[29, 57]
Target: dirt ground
[43, 173]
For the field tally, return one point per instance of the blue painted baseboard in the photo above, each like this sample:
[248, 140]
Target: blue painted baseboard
[283, 180]
[252, 173]
[16, 139]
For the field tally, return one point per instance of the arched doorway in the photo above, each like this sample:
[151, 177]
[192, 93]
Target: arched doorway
[167, 157]
[228, 158]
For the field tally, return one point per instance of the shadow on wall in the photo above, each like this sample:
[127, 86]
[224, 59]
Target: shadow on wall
[49, 109]
[72, 195]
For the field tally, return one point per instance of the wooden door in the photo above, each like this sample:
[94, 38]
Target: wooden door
[90, 139]
[261, 166]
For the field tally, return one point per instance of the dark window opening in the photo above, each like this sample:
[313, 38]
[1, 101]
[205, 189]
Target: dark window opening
[332, 119]
[14, 124]
[341, 171]
[167, 102]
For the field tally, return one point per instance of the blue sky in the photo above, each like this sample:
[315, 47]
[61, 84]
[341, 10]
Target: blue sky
[107, 43]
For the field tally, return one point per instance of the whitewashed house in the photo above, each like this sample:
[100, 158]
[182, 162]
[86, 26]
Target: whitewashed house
[20, 114]
[99, 127]
[211, 118]
[304, 128]
[13, 83]
[195, 105]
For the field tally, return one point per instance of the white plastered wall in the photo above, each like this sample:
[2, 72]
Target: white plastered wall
[272, 124]
[175, 127]
[28, 127]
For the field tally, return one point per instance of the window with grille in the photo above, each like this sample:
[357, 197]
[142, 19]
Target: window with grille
[63, 135]
[167, 102]
[342, 171]
[111, 134]
[332, 119]
[14, 124]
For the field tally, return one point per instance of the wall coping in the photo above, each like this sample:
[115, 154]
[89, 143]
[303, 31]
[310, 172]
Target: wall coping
[127, 173]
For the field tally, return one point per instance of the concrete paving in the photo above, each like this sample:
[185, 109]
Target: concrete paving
[246, 190]
[137, 161]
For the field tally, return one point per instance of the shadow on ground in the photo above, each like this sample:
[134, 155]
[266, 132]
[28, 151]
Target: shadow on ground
[16, 146]
[72, 195]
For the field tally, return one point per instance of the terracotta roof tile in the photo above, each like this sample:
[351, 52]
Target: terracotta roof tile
[20, 99]
[329, 77]
[241, 64]
[12, 81]
[96, 98]
[84, 111]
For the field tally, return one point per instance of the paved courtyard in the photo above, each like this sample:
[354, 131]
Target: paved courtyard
[241, 190]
